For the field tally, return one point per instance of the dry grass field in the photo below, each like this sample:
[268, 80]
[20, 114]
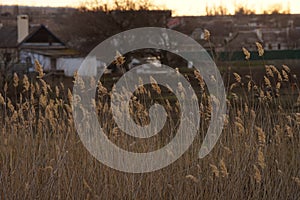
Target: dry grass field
[256, 157]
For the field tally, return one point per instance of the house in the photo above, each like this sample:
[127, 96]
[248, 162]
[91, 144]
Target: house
[245, 39]
[24, 43]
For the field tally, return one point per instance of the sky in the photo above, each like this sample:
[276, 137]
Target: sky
[179, 7]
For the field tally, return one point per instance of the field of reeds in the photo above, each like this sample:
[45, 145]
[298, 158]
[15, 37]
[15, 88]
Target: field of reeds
[256, 157]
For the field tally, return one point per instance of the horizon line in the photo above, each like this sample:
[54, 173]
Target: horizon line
[173, 12]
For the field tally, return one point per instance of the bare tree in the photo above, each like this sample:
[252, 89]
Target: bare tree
[277, 9]
[100, 5]
[6, 64]
[216, 10]
[241, 10]
[88, 27]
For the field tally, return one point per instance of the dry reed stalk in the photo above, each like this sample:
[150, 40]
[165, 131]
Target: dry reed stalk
[257, 174]
[261, 158]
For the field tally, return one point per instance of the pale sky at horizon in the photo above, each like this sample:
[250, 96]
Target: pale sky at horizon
[179, 7]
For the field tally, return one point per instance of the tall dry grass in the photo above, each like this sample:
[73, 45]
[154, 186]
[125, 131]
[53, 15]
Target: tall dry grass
[256, 157]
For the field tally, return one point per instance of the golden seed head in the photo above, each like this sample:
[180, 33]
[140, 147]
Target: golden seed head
[14, 117]
[200, 79]
[43, 100]
[240, 127]
[286, 68]
[56, 91]
[80, 82]
[232, 86]
[257, 174]
[260, 49]
[249, 86]
[39, 69]
[223, 168]
[70, 96]
[261, 159]
[2, 101]
[45, 86]
[285, 76]
[5, 87]
[206, 34]
[16, 80]
[180, 87]
[26, 83]
[101, 89]
[193, 178]
[119, 59]
[237, 77]
[215, 170]
[246, 53]
[269, 71]
[278, 85]
[261, 136]
[93, 82]
[267, 82]
[154, 85]
[274, 69]
[75, 75]
[10, 106]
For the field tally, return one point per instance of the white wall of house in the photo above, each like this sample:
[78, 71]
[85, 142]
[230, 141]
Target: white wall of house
[90, 67]
[69, 65]
[43, 60]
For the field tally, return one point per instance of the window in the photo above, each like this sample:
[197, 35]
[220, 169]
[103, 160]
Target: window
[7, 57]
[270, 46]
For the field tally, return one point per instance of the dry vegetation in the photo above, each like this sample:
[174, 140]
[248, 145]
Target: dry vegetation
[257, 156]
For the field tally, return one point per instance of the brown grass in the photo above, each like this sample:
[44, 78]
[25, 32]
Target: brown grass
[257, 156]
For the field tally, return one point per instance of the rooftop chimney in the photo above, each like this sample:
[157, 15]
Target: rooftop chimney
[23, 27]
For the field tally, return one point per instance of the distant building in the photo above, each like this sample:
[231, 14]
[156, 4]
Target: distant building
[241, 39]
[231, 33]
[24, 44]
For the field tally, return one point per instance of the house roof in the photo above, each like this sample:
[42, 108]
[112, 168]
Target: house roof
[41, 34]
[55, 52]
[243, 39]
[9, 36]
